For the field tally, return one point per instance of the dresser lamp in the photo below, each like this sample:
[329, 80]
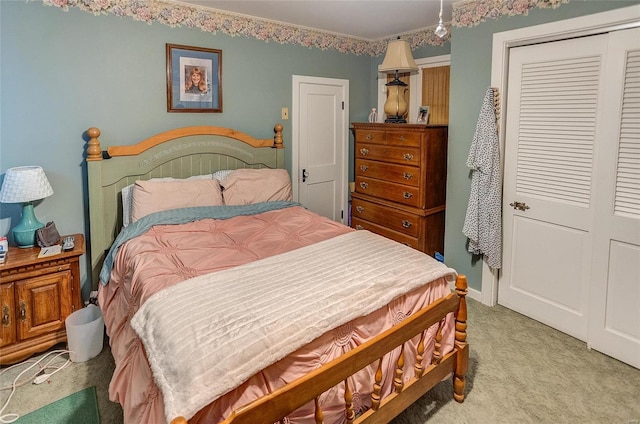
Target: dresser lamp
[25, 184]
[397, 59]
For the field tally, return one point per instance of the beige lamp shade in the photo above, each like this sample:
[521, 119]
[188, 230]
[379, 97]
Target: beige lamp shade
[398, 57]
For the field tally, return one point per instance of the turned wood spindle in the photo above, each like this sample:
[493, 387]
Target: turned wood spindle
[398, 382]
[461, 340]
[348, 403]
[318, 415]
[419, 369]
[377, 387]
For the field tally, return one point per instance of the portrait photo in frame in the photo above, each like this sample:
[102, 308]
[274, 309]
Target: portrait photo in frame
[423, 115]
[194, 79]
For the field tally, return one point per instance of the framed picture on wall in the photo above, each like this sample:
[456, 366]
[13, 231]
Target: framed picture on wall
[423, 115]
[194, 79]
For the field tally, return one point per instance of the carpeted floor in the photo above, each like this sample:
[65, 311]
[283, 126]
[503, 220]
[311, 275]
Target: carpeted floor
[520, 371]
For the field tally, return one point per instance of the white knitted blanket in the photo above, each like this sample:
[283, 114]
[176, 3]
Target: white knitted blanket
[209, 334]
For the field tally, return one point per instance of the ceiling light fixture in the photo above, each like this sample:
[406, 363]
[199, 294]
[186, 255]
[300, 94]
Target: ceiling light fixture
[441, 31]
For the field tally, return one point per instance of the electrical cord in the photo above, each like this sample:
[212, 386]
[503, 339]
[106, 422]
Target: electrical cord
[38, 378]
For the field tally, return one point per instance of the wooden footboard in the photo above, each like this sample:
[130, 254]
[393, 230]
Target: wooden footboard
[280, 403]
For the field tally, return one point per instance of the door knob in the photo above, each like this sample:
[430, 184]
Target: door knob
[521, 206]
[305, 175]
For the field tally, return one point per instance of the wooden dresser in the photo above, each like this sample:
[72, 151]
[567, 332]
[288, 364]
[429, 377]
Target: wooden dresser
[36, 296]
[400, 187]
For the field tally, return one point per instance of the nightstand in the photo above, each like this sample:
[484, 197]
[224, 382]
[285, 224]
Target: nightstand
[36, 295]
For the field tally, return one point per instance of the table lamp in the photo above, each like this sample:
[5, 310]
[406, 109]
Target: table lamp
[25, 184]
[397, 59]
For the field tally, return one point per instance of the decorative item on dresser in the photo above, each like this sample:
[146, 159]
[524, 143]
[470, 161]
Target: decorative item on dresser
[36, 295]
[401, 176]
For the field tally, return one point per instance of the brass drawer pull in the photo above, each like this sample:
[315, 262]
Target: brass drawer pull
[408, 156]
[406, 224]
[6, 318]
[364, 168]
[360, 209]
[359, 227]
[23, 311]
[364, 152]
[369, 137]
[364, 185]
[407, 176]
[407, 195]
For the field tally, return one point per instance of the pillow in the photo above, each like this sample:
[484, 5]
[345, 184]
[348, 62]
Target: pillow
[128, 190]
[247, 186]
[222, 174]
[155, 196]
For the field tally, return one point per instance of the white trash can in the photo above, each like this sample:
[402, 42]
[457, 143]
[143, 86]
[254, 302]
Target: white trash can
[85, 333]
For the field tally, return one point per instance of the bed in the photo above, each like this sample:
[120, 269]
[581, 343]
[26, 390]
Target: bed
[245, 307]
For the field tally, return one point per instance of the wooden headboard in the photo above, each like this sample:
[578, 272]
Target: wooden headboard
[178, 153]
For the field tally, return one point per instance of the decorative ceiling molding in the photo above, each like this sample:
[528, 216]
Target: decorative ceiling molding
[466, 13]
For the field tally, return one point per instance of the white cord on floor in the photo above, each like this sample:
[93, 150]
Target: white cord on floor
[40, 377]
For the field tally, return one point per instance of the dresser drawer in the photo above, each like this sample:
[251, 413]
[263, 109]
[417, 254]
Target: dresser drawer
[390, 138]
[393, 219]
[360, 224]
[381, 152]
[407, 195]
[400, 174]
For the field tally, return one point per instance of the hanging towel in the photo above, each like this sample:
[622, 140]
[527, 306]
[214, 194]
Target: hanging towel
[483, 223]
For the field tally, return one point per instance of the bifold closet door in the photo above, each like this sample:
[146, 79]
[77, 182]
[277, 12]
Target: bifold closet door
[571, 204]
[614, 301]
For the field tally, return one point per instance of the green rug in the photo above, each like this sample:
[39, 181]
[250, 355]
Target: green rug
[78, 408]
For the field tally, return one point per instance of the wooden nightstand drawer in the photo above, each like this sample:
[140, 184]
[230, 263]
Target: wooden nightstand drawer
[407, 195]
[400, 174]
[360, 224]
[380, 152]
[393, 219]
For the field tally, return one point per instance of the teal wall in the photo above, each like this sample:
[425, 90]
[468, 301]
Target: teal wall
[470, 78]
[63, 72]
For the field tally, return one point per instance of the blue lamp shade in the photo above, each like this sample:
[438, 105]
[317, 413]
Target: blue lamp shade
[25, 184]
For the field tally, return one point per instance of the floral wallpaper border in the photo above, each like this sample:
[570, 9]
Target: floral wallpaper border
[465, 14]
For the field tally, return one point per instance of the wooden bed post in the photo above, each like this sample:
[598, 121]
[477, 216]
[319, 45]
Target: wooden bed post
[462, 361]
[278, 143]
[94, 152]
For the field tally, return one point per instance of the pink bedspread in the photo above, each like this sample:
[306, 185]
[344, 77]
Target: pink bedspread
[168, 254]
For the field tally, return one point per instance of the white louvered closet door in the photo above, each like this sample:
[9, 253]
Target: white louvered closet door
[614, 302]
[553, 98]
[572, 189]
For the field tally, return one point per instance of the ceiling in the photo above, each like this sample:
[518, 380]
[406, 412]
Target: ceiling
[370, 20]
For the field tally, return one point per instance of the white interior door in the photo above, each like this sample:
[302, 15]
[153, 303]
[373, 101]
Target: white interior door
[552, 107]
[321, 145]
[614, 305]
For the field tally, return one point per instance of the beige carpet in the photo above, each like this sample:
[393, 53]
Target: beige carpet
[520, 372]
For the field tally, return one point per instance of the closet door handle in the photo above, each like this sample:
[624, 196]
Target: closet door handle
[521, 206]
